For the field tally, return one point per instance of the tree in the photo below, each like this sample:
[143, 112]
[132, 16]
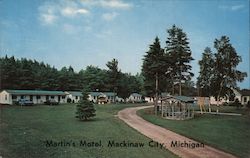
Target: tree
[85, 109]
[152, 69]
[206, 72]
[113, 74]
[225, 75]
[128, 84]
[179, 52]
[95, 78]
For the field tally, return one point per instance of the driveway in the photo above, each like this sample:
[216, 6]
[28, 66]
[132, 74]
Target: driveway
[167, 137]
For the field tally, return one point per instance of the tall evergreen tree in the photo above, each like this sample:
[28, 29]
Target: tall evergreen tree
[179, 52]
[85, 109]
[152, 69]
[113, 74]
[206, 73]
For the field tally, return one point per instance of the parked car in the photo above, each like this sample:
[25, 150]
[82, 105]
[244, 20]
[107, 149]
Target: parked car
[51, 102]
[23, 102]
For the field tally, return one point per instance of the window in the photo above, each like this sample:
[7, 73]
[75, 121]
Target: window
[38, 97]
[6, 97]
[76, 97]
[14, 97]
[63, 97]
[47, 97]
[31, 97]
[52, 97]
[245, 99]
[22, 97]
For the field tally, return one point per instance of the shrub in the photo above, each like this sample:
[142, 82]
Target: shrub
[68, 100]
[248, 104]
[237, 103]
[85, 109]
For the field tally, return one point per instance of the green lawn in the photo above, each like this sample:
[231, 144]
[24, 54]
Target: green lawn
[228, 109]
[24, 130]
[228, 133]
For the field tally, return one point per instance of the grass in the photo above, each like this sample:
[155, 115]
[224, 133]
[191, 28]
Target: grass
[24, 131]
[228, 133]
[228, 109]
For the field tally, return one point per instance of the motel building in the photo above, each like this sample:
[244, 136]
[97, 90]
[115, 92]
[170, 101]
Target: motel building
[36, 96]
[73, 96]
[134, 98]
[102, 97]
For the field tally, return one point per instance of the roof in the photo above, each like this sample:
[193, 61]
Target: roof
[35, 92]
[180, 98]
[136, 95]
[245, 92]
[75, 93]
[99, 93]
[164, 94]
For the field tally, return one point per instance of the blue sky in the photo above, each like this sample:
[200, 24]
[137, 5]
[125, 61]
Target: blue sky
[92, 32]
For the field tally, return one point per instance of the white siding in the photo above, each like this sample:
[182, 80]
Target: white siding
[214, 102]
[245, 99]
[5, 98]
[149, 99]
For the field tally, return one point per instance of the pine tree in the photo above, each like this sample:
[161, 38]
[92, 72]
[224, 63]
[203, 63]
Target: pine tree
[114, 74]
[153, 69]
[178, 51]
[206, 72]
[85, 108]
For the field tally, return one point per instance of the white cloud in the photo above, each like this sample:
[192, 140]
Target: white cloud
[109, 16]
[48, 18]
[82, 11]
[47, 14]
[232, 8]
[71, 12]
[115, 4]
[237, 7]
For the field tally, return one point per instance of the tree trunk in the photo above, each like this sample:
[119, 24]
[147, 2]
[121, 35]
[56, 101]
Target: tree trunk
[156, 92]
[180, 88]
[218, 97]
[172, 84]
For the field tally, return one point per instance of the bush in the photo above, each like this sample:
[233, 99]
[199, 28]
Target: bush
[237, 103]
[15, 103]
[68, 100]
[248, 104]
[226, 104]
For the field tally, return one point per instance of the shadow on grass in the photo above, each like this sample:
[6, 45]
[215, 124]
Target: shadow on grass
[90, 120]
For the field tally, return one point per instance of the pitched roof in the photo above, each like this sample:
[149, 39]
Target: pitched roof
[164, 94]
[136, 95]
[180, 98]
[245, 92]
[99, 93]
[75, 93]
[35, 92]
